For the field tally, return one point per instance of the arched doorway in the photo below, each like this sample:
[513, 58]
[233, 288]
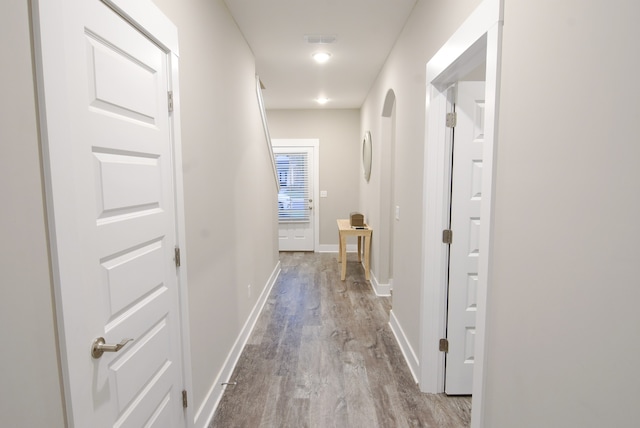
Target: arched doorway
[388, 212]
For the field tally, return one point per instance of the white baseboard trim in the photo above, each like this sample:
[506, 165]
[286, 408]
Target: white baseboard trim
[333, 248]
[381, 290]
[407, 351]
[209, 405]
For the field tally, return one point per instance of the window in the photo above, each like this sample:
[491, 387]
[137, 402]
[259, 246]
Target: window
[293, 177]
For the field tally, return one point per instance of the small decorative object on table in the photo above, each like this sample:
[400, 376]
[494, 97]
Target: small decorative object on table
[356, 220]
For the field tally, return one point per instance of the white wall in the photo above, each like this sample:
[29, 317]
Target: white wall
[229, 184]
[563, 321]
[429, 26]
[30, 394]
[340, 158]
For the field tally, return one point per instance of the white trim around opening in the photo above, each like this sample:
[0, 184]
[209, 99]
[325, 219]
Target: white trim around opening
[477, 40]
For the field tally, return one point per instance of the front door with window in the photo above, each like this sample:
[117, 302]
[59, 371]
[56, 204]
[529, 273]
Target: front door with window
[296, 213]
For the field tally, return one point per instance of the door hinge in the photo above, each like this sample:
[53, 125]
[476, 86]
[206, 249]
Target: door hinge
[185, 403]
[452, 119]
[447, 236]
[177, 256]
[170, 99]
[444, 345]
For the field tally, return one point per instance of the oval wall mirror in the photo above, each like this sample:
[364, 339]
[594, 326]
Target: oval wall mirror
[366, 155]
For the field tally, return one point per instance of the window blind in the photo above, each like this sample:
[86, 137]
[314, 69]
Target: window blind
[293, 197]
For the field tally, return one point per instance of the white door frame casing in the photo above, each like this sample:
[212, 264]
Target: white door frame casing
[314, 144]
[54, 126]
[476, 41]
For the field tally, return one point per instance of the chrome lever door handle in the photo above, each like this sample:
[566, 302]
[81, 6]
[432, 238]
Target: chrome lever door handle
[98, 347]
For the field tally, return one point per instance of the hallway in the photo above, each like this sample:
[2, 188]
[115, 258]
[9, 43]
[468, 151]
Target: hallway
[322, 355]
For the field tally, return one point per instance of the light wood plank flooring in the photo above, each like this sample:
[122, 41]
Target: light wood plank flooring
[322, 355]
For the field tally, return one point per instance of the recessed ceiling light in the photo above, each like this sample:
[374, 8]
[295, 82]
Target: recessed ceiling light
[322, 100]
[321, 57]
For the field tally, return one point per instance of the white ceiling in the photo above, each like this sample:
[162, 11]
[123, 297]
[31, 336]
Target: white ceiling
[275, 30]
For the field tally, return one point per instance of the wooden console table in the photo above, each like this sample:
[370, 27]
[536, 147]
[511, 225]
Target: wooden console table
[364, 237]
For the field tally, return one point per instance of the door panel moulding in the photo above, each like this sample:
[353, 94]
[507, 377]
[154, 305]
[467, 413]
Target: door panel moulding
[476, 41]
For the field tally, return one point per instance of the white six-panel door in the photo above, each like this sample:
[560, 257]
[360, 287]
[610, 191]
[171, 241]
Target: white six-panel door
[466, 197]
[111, 200]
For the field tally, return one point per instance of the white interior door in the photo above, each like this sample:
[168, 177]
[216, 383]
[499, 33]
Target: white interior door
[295, 166]
[111, 200]
[466, 197]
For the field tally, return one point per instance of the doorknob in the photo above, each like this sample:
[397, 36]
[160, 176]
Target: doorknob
[98, 347]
